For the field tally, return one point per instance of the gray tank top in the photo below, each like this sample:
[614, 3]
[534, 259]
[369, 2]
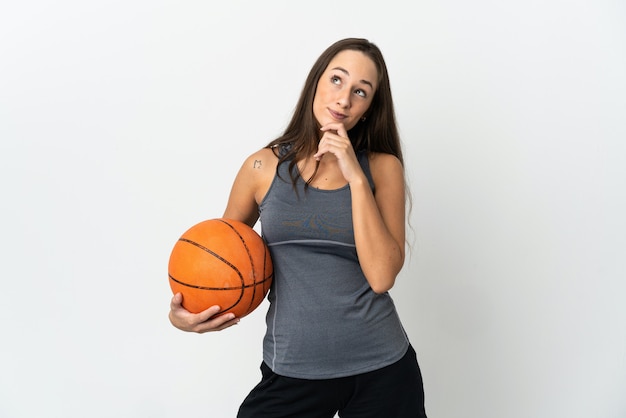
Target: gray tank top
[324, 320]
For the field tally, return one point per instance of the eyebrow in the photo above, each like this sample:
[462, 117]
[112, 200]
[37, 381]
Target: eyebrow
[343, 70]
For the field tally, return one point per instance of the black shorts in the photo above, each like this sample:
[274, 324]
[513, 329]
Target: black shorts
[395, 391]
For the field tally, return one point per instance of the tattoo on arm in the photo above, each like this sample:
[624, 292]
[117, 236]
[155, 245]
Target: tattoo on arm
[257, 163]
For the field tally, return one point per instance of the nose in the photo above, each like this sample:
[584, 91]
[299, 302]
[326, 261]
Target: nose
[343, 98]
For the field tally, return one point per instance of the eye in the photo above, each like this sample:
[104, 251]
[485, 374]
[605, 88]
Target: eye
[335, 79]
[361, 92]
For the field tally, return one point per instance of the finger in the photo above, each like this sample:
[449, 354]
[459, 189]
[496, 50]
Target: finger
[337, 127]
[224, 321]
[177, 301]
[320, 153]
[322, 147]
[332, 143]
[210, 312]
[218, 323]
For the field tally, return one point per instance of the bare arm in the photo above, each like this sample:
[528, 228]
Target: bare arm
[379, 222]
[249, 188]
[251, 184]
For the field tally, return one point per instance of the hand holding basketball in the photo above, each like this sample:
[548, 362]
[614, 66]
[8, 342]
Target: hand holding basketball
[218, 267]
[202, 322]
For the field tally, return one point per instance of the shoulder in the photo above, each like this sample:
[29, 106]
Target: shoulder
[381, 163]
[387, 173]
[263, 154]
[259, 168]
[262, 160]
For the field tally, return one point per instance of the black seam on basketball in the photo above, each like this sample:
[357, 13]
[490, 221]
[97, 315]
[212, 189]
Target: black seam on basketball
[243, 286]
[214, 254]
[223, 260]
[245, 245]
[193, 286]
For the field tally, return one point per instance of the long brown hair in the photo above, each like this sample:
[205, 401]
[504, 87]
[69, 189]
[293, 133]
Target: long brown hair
[378, 133]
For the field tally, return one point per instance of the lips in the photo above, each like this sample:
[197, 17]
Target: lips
[336, 115]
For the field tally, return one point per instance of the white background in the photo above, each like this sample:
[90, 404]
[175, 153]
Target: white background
[123, 123]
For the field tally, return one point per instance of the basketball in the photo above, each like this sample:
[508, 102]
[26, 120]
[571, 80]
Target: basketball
[221, 262]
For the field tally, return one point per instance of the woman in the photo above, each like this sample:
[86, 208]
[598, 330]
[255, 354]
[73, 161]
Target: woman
[330, 195]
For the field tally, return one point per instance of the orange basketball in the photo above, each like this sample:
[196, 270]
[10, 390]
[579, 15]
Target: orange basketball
[221, 262]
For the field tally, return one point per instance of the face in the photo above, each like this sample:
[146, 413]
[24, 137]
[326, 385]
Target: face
[346, 89]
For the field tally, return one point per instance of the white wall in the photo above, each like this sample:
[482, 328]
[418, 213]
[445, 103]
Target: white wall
[122, 123]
